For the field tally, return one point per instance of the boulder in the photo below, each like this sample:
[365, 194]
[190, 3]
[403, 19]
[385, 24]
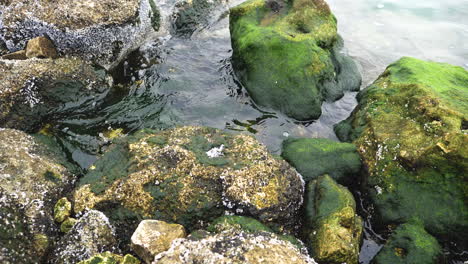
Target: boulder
[314, 157]
[331, 224]
[190, 175]
[102, 31]
[410, 128]
[41, 47]
[233, 246]
[35, 89]
[91, 235]
[153, 237]
[34, 174]
[410, 243]
[110, 258]
[287, 55]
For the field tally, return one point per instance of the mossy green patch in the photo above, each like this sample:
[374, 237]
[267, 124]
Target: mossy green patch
[110, 258]
[286, 55]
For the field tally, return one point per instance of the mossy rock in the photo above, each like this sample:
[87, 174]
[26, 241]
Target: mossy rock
[331, 224]
[410, 128]
[175, 176]
[286, 53]
[111, 258]
[410, 243]
[62, 210]
[313, 157]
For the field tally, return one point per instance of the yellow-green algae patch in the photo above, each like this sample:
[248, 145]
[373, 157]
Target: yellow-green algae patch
[172, 176]
[411, 131]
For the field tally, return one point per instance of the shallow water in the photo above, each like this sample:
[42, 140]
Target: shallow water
[181, 81]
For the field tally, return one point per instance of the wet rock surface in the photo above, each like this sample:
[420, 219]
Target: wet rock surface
[331, 224]
[190, 175]
[37, 89]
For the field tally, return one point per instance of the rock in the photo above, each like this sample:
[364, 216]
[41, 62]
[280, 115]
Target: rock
[287, 55]
[193, 15]
[411, 131]
[91, 235]
[410, 243]
[169, 176]
[62, 210]
[313, 157]
[34, 173]
[331, 224]
[110, 258]
[32, 90]
[153, 237]
[100, 31]
[41, 47]
[3, 48]
[233, 246]
[67, 225]
[18, 55]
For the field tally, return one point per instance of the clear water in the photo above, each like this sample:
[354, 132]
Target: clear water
[182, 81]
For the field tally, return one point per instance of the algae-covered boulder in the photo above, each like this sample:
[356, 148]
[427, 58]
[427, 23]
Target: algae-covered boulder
[233, 245]
[411, 131]
[110, 258]
[410, 243]
[190, 175]
[92, 234]
[34, 174]
[103, 31]
[286, 53]
[35, 89]
[331, 224]
[314, 157]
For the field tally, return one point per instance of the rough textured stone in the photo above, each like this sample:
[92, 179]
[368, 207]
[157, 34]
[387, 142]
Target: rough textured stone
[287, 55]
[190, 175]
[41, 47]
[62, 210]
[411, 131]
[18, 55]
[31, 90]
[331, 224]
[110, 258]
[234, 246]
[34, 173]
[103, 31]
[153, 237]
[410, 243]
[91, 235]
[314, 157]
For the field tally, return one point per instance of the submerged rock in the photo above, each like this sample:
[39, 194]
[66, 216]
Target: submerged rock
[234, 246]
[194, 14]
[411, 131]
[103, 31]
[288, 55]
[33, 175]
[410, 243]
[34, 89]
[92, 234]
[332, 226]
[153, 237]
[110, 258]
[169, 176]
[314, 157]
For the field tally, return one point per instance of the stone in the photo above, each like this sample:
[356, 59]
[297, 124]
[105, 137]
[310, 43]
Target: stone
[110, 258]
[193, 15]
[18, 55]
[67, 225]
[288, 55]
[410, 243]
[410, 128]
[168, 175]
[91, 235]
[41, 47]
[33, 90]
[234, 246]
[333, 228]
[104, 31]
[62, 210]
[153, 237]
[314, 157]
[34, 173]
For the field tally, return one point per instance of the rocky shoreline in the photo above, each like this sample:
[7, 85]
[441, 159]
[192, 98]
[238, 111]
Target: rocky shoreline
[195, 194]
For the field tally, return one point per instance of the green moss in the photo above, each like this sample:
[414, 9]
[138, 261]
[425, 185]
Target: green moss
[62, 210]
[315, 157]
[67, 225]
[110, 258]
[155, 15]
[410, 243]
[410, 129]
[288, 59]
